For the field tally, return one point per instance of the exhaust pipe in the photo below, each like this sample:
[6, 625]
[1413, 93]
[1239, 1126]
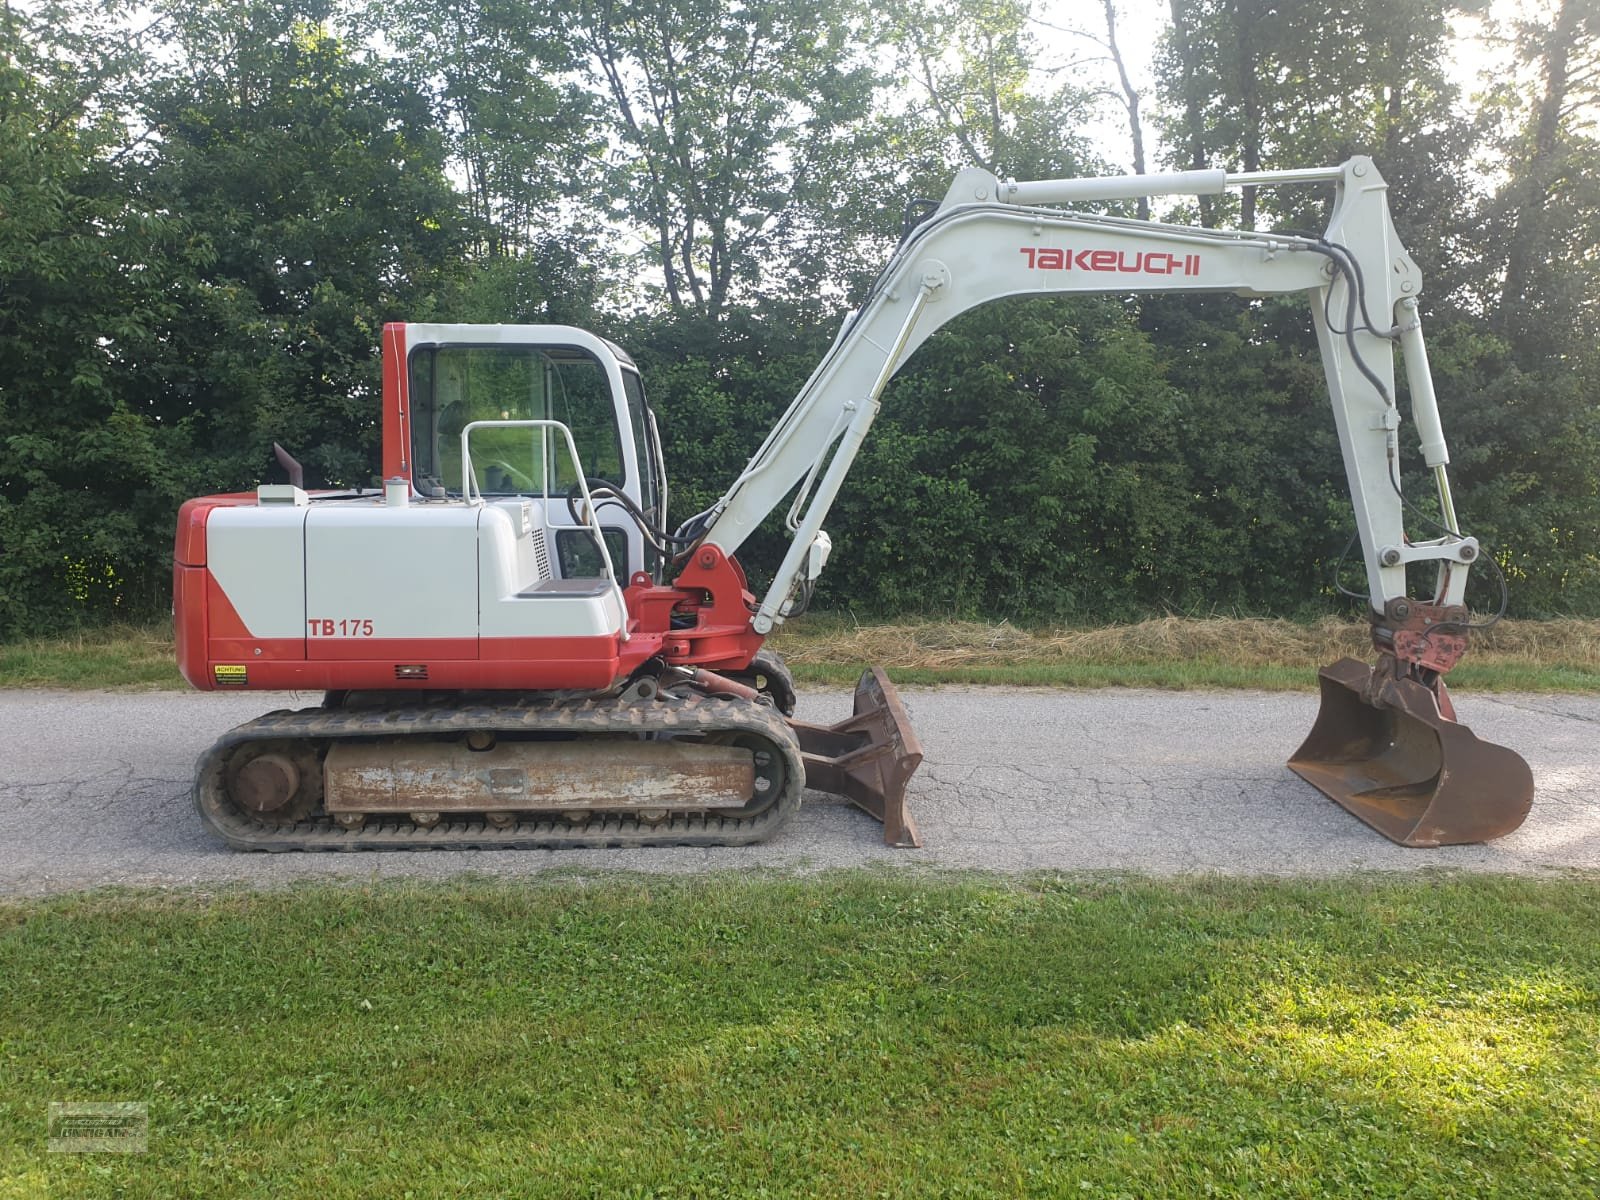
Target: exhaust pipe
[1383, 751]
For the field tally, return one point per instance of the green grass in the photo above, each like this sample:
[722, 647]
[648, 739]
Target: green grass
[119, 656]
[1535, 656]
[849, 1035]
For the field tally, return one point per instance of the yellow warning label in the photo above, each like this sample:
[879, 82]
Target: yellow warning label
[230, 676]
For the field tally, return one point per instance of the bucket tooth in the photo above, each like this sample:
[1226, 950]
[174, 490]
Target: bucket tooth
[1395, 762]
[868, 758]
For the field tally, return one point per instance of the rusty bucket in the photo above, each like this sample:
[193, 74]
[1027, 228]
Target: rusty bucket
[1412, 774]
[868, 758]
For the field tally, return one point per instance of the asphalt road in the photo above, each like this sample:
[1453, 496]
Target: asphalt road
[94, 790]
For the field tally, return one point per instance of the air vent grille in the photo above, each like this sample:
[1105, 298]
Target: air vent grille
[541, 554]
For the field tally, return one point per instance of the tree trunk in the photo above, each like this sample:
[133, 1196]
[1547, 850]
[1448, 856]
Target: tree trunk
[1193, 120]
[1250, 105]
[1130, 100]
[1538, 174]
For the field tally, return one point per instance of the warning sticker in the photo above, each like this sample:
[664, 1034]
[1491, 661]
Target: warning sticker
[230, 676]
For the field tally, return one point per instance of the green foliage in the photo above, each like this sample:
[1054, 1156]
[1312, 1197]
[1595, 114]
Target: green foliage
[1525, 447]
[1055, 458]
[315, 201]
[1509, 275]
[717, 388]
[731, 124]
[1253, 84]
[86, 487]
[972, 61]
[520, 129]
[1546, 214]
[166, 316]
[1023, 469]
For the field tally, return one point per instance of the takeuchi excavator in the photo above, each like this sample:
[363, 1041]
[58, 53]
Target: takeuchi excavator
[515, 649]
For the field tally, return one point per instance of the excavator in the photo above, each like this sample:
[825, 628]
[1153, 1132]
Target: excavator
[516, 650]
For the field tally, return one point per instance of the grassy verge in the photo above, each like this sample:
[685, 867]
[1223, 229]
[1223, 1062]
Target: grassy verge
[119, 656]
[1559, 656]
[853, 1035]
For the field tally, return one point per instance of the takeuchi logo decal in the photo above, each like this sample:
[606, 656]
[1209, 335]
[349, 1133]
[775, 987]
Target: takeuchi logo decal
[1145, 262]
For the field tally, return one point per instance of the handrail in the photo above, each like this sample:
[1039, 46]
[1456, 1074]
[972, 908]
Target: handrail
[472, 495]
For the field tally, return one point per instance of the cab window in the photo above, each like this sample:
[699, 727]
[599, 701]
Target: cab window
[452, 386]
[643, 443]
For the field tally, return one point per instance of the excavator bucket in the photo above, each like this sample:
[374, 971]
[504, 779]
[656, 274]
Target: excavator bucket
[868, 758]
[1411, 773]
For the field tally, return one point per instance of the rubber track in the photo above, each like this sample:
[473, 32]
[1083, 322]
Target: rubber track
[692, 714]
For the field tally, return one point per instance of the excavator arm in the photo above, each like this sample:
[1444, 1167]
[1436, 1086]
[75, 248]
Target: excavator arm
[1380, 746]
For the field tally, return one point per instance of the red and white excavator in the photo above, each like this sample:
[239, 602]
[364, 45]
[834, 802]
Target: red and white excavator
[517, 651]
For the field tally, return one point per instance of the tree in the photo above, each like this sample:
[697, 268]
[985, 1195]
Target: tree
[973, 62]
[1130, 101]
[314, 193]
[729, 126]
[1030, 463]
[1255, 85]
[188, 274]
[1528, 389]
[505, 86]
[208, 209]
[1127, 96]
[86, 486]
[1551, 203]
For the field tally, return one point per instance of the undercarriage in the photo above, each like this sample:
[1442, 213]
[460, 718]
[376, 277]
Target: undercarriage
[650, 766]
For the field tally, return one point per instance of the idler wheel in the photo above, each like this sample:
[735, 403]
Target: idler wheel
[275, 783]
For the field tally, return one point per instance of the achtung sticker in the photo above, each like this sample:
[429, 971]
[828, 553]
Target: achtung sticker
[230, 675]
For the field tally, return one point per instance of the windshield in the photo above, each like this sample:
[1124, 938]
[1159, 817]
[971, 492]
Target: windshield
[452, 386]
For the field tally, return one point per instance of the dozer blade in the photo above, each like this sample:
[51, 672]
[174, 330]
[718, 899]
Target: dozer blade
[1414, 776]
[868, 758]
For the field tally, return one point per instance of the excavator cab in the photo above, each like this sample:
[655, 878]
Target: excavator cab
[593, 390]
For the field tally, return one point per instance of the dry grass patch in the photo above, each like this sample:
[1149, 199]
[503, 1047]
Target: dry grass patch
[936, 644]
[1240, 641]
[1177, 650]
